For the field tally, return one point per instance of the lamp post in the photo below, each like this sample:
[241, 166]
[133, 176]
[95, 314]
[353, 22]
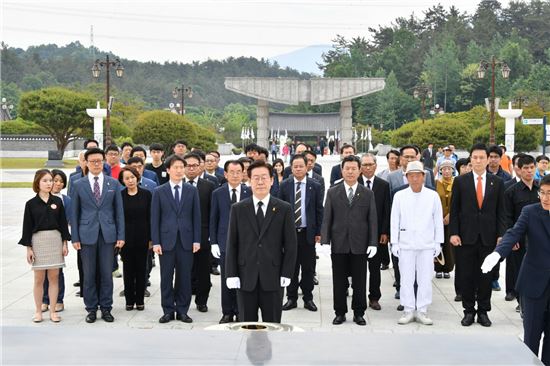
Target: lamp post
[96, 71]
[6, 109]
[182, 91]
[483, 67]
[423, 91]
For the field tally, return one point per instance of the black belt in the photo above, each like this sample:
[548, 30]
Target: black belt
[301, 229]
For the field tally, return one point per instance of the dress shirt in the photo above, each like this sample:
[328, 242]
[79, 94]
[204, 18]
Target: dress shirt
[310, 174]
[100, 181]
[265, 202]
[483, 181]
[365, 179]
[303, 201]
[237, 191]
[405, 180]
[172, 185]
[353, 188]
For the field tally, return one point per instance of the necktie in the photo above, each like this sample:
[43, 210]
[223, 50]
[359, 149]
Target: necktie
[368, 184]
[177, 195]
[350, 195]
[298, 206]
[479, 191]
[234, 196]
[260, 214]
[97, 192]
[192, 182]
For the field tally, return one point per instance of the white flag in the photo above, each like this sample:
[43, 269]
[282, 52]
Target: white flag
[252, 133]
[328, 134]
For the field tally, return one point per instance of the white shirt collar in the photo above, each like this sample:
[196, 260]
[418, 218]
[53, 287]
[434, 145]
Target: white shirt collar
[304, 180]
[265, 202]
[172, 184]
[353, 187]
[482, 175]
[237, 188]
[310, 173]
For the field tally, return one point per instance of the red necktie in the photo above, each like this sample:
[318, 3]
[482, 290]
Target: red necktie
[479, 192]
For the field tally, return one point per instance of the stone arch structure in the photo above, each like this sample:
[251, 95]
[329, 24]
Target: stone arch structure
[293, 91]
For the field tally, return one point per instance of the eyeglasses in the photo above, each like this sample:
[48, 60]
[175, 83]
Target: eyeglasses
[368, 164]
[112, 154]
[96, 162]
[193, 166]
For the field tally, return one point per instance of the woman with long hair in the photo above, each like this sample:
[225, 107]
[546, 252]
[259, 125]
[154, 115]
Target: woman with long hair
[279, 167]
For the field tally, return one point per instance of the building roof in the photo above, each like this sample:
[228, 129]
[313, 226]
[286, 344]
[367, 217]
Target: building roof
[304, 122]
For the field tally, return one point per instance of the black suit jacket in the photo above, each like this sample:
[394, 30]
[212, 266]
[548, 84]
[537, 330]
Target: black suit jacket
[470, 222]
[314, 204]
[335, 174]
[428, 159]
[205, 188]
[381, 190]
[263, 254]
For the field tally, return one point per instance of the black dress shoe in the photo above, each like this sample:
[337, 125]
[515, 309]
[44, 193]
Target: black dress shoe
[374, 305]
[202, 308]
[215, 271]
[383, 267]
[184, 318]
[129, 307]
[290, 304]
[107, 316]
[226, 319]
[91, 317]
[458, 298]
[166, 318]
[483, 319]
[467, 320]
[339, 319]
[509, 297]
[400, 307]
[76, 284]
[359, 320]
[310, 305]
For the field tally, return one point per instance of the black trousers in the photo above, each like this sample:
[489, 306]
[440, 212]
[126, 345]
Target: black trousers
[270, 303]
[458, 290]
[513, 263]
[469, 257]
[374, 274]
[134, 270]
[396, 272]
[536, 320]
[229, 296]
[306, 261]
[201, 274]
[384, 251]
[342, 266]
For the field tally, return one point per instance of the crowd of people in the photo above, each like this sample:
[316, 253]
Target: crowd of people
[428, 212]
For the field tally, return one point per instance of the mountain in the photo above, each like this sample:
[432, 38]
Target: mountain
[303, 59]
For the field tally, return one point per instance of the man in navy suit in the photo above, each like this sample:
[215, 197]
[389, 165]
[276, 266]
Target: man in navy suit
[176, 235]
[97, 226]
[222, 199]
[140, 152]
[304, 196]
[533, 282]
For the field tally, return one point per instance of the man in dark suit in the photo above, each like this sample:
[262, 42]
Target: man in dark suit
[477, 222]
[261, 248]
[300, 149]
[176, 235]
[533, 283]
[97, 226]
[311, 158]
[350, 227]
[201, 259]
[304, 196]
[222, 199]
[381, 190]
[336, 172]
[429, 155]
[140, 152]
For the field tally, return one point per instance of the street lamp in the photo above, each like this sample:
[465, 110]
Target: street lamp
[182, 91]
[6, 109]
[505, 70]
[96, 71]
[423, 91]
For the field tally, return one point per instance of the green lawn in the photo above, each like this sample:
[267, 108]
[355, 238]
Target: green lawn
[30, 163]
[15, 184]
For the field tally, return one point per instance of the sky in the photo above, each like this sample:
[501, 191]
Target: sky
[198, 30]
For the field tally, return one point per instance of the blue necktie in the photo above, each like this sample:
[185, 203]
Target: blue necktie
[177, 195]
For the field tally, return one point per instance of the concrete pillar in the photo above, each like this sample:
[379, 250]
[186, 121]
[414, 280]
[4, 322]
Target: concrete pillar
[345, 122]
[262, 123]
[98, 114]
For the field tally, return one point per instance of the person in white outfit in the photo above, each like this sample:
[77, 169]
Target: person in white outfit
[416, 237]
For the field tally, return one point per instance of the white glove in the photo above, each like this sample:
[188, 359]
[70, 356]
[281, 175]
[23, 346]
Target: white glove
[371, 251]
[490, 261]
[285, 281]
[437, 251]
[395, 250]
[215, 250]
[233, 282]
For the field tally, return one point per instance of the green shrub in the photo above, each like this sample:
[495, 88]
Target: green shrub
[21, 127]
[164, 127]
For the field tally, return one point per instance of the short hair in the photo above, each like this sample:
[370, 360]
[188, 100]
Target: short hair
[542, 157]
[172, 159]
[262, 150]
[93, 150]
[525, 160]
[346, 146]
[245, 159]
[124, 144]
[232, 162]
[156, 147]
[61, 173]
[193, 155]
[394, 152]
[87, 141]
[259, 164]
[310, 152]
[37, 177]
[516, 157]
[351, 158]
[502, 147]
[461, 162]
[414, 147]
[545, 180]
[200, 153]
[134, 159]
[298, 156]
[138, 148]
[130, 169]
[251, 147]
[279, 161]
[369, 155]
[495, 150]
[214, 152]
[479, 146]
[112, 147]
[183, 142]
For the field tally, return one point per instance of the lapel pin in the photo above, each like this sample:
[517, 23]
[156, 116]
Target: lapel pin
[274, 209]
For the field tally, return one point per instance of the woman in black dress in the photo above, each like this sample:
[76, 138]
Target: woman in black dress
[137, 214]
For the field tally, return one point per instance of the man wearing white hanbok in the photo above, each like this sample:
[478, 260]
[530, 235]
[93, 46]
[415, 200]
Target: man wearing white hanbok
[416, 237]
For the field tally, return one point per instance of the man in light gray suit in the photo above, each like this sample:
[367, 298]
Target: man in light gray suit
[97, 230]
[397, 179]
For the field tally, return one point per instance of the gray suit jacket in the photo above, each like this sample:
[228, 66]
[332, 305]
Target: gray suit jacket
[349, 228]
[395, 179]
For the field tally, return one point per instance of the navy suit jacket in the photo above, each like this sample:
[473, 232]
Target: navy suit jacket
[219, 213]
[167, 219]
[534, 274]
[314, 204]
[89, 217]
[335, 174]
[151, 175]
